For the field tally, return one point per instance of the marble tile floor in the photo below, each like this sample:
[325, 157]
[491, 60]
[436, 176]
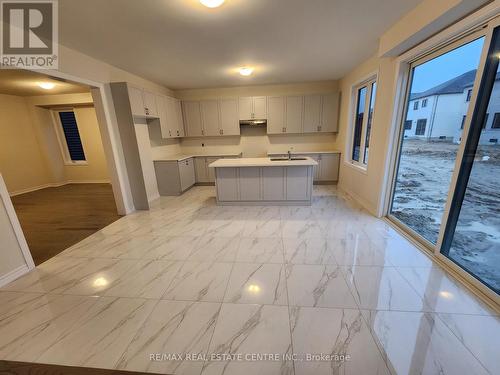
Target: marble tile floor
[192, 288]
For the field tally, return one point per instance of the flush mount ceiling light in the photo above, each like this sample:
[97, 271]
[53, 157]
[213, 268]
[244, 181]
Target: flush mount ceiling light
[212, 3]
[46, 85]
[246, 71]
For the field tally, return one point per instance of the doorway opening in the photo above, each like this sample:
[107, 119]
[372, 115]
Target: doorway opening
[52, 161]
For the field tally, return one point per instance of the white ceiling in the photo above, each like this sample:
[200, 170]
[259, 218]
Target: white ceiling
[182, 44]
[25, 83]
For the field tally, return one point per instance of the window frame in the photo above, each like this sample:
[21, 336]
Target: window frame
[368, 83]
[495, 117]
[419, 121]
[61, 139]
[424, 103]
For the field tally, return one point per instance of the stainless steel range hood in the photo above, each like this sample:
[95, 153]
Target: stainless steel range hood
[254, 122]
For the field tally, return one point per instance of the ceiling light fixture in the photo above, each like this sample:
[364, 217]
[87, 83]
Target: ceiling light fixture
[212, 3]
[46, 85]
[246, 71]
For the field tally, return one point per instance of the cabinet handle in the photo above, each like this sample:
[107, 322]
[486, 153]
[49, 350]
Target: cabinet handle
[222, 131]
[177, 133]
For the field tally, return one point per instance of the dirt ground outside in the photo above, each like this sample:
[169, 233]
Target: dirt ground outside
[422, 189]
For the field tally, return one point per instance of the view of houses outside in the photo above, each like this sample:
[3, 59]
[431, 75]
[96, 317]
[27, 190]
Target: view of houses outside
[432, 134]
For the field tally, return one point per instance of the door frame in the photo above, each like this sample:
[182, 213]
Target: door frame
[480, 23]
[104, 107]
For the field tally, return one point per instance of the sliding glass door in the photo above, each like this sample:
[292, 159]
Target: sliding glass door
[437, 102]
[446, 187]
[472, 234]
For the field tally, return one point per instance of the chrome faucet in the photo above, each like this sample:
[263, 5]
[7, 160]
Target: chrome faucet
[289, 155]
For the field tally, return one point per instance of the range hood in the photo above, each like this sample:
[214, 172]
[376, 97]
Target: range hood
[262, 122]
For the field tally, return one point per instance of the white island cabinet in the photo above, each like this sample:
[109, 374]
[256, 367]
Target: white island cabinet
[256, 181]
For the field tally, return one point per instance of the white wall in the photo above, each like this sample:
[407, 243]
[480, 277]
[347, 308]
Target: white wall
[14, 254]
[20, 151]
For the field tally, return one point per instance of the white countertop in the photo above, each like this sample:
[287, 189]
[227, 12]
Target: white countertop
[260, 162]
[184, 157]
[304, 152]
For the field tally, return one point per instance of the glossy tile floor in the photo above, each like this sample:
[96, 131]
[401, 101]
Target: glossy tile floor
[220, 283]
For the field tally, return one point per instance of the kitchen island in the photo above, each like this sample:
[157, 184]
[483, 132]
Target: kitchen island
[258, 181]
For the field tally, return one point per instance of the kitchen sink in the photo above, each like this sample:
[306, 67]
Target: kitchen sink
[285, 159]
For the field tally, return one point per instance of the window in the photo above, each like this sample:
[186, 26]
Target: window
[415, 105]
[69, 137]
[469, 94]
[463, 122]
[424, 103]
[408, 124]
[364, 97]
[496, 121]
[421, 123]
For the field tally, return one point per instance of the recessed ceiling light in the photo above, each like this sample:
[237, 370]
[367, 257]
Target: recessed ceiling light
[46, 85]
[212, 3]
[246, 71]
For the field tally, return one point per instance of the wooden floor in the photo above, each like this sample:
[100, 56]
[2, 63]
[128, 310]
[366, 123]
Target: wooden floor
[55, 218]
[25, 368]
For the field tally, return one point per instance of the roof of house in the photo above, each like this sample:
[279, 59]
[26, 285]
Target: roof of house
[453, 86]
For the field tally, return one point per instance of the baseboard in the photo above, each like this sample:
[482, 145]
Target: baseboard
[358, 199]
[56, 184]
[14, 274]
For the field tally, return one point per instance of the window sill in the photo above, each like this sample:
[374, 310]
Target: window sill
[75, 163]
[356, 167]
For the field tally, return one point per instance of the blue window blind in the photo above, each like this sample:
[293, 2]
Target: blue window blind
[72, 135]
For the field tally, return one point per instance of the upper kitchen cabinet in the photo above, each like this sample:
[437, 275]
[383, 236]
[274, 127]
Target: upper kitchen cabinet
[312, 113]
[253, 108]
[142, 103]
[276, 115]
[294, 114]
[169, 111]
[229, 120]
[192, 118]
[210, 117]
[321, 113]
[329, 113]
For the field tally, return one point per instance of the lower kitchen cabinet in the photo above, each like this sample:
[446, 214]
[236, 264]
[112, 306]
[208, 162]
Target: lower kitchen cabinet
[174, 177]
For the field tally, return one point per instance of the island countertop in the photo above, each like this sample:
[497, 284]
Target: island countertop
[261, 162]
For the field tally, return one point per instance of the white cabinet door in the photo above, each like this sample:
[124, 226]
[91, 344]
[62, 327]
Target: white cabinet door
[229, 118]
[273, 184]
[245, 105]
[211, 171]
[294, 114]
[150, 103]
[329, 113]
[179, 129]
[200, 168]
[227, 184]
[259, 107]
[276, 115]
[297, 183]
[171, 117]
[136, 101]
[249, 184]
[186, 173]
[210, 117]
[192, 118]
[329, 170]
[312, 113]
[162, 104]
